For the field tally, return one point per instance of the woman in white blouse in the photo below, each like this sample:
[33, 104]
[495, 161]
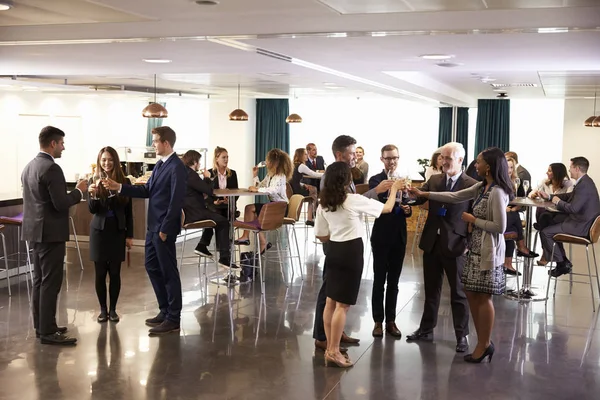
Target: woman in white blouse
[279, 170]
[435, 166]
[558, 182]
[299, 187]
[340, 223]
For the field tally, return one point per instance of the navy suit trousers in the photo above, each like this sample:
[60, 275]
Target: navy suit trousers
[161, 266]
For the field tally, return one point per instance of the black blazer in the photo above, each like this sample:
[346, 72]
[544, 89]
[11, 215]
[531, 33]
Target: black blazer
[453, 230]
[46, 202]
[320, 167]
[123, 213]
[194, 204]
[388, 227]
[232, 183]
[582, 206]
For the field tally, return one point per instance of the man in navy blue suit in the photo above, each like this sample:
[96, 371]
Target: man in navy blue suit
[166, 191]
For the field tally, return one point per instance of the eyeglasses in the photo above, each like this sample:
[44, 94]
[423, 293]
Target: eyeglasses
[390, 159]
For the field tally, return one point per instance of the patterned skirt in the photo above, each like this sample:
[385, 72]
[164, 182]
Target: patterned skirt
[476, 280]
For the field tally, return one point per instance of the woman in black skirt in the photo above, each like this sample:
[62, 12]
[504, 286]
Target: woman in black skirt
[111, 230]
[339, 222]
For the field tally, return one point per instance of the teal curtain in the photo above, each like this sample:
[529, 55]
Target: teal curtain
[271, 129]
[493, 124]
[153, 123]
[462, 127]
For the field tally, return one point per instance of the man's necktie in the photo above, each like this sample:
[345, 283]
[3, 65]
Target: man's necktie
[315, 164]
[449, 185]
[157, 166]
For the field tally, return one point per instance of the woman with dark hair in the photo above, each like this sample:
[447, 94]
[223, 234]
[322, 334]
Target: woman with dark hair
[483, 274]
[558, 182]
[435, 166]
[299, 187]
[339, 222]
[111, 230]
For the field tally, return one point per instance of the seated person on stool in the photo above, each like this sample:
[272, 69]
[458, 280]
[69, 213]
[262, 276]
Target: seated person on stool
[194, 207]
[577, 211]
[299, 186]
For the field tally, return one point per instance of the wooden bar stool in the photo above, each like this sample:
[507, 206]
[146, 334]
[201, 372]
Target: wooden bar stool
[197, 225]
[5, 257]
[293, 215]
[588, 241]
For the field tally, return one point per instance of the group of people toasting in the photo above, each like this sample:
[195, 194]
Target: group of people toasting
[462, 237]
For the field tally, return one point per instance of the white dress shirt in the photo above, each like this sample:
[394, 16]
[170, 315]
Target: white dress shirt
[346, 222]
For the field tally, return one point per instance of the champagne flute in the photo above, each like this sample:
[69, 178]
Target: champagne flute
[517, 184]
[525, 186]
[104, 176]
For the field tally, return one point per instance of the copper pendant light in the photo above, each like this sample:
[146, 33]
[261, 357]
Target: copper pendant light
[238, 114]
[293, 119]
[154, 110]
[593, 121]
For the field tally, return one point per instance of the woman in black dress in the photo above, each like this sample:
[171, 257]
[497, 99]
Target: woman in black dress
[339, 222]
[111, 230]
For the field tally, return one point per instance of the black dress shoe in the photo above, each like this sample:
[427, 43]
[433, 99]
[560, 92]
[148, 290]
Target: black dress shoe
[103, 317]
[421, 336]
[512, 272]
[310, 223]
[164, 328]
[560, 270]
[462, 344]
[531, 254]
[113, 316]
[202, 250]
[59, 329]
[58, 339]
[159, 319]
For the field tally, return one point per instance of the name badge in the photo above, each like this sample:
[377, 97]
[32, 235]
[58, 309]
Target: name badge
[442, 211]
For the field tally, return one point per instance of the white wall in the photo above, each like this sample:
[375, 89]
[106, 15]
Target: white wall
[372, 122]
[579, 140]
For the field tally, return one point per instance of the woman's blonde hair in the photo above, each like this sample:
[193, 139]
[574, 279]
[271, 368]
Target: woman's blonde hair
[218, 152]
[279, 163]
[514, 175]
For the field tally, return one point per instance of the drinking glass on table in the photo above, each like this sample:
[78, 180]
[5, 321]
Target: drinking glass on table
[525, 186]
[517, 184]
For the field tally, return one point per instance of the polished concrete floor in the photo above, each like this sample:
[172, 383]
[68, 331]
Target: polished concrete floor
[236, 345]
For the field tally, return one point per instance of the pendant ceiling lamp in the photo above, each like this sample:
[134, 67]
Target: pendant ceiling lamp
[238, 114]
[293, 119]
[593, 120]
[155, 110]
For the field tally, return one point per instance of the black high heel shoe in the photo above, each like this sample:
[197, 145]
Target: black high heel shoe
[267, 247]
[489, 352]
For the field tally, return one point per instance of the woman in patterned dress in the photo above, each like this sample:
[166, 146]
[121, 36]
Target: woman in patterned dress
[483, 274]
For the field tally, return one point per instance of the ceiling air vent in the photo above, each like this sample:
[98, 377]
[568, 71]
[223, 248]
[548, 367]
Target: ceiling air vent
[512, 85]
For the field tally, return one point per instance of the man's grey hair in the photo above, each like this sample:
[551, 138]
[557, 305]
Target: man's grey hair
[457, 149]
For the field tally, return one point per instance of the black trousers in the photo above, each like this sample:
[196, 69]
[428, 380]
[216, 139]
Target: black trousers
[513, 224]
[387, 267]
[222, 228]
[48, 259]
[435, 265]
[319, 326]
[113, 269]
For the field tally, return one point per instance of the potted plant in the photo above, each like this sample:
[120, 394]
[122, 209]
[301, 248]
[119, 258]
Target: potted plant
[424, 163]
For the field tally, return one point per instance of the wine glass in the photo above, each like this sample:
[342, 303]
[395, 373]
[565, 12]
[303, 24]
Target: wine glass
[525, 186]
[104, 176]
[517, 184]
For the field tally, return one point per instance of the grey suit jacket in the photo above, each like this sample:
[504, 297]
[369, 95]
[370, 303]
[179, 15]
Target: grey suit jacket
[582, 206]
[453, 230]
[371, 194]
[46, 202]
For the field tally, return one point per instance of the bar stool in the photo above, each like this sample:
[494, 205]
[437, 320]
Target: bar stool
[270, 219]
[592, 239]
[72, 212]
[198, 225]
[421, 218]
[5, 257]
[17, 221]
[293, 215]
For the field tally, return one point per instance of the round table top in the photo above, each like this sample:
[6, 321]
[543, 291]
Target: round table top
[527, 202]
[236, 192]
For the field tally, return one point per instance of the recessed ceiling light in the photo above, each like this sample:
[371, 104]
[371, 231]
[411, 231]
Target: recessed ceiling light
[500, 90]
[436, 56]
[5, 5]
[157, 60]
[206, 2]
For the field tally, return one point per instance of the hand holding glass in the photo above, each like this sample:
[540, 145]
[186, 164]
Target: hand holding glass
[104, 178]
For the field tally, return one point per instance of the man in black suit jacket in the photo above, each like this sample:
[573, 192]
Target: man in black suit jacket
[46, 206]
[578, 210]
[194, 206]
[388, 242]
[166, 190]
[315, 163]
[443, 241]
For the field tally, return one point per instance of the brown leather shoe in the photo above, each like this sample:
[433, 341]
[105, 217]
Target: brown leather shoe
[392, 330]
[322, 345]
[378, 330]
[347, 339]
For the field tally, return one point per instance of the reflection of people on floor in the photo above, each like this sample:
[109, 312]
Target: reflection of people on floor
[382, 371]
[165, 377]
[44, 366]
[109, 381]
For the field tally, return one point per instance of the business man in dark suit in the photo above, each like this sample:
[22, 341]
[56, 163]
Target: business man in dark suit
[443, 241]
[166, 190]
[46, 206]
[194, 206]
[388, 242]
[578, 210]
[315, 163]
